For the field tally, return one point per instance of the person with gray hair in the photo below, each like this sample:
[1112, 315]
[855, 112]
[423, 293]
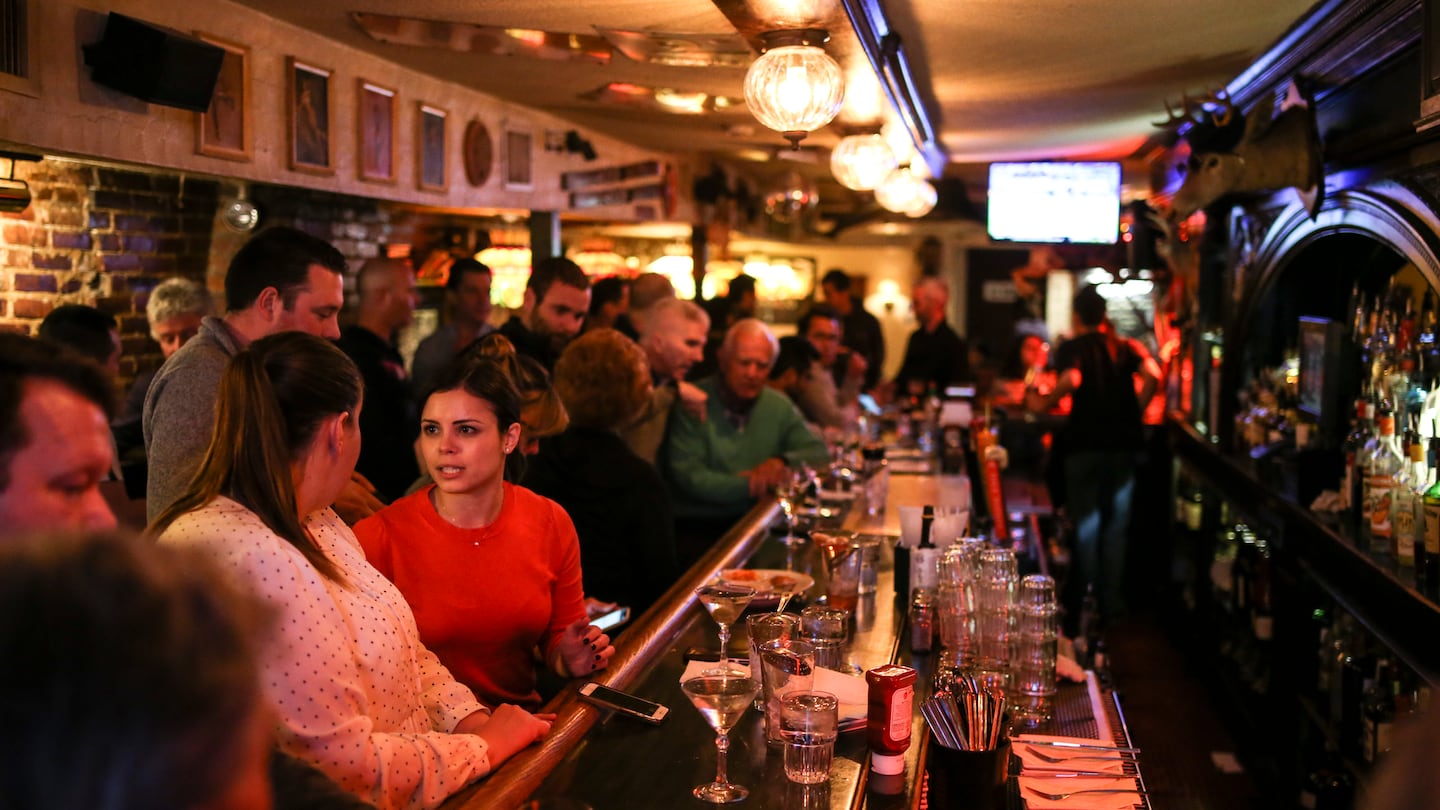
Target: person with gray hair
[673, 338]
[748, 441]
[174, 309]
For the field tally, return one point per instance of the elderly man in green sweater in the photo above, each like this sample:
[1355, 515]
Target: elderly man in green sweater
[750, 439]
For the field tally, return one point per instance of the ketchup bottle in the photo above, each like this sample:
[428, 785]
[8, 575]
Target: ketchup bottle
[892, 699]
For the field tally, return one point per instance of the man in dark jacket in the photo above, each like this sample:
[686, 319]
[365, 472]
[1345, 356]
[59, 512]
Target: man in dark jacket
[557, 297]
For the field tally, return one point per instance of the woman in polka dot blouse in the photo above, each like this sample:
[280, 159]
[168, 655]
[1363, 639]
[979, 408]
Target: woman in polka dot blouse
[491, 569]
[355, 691]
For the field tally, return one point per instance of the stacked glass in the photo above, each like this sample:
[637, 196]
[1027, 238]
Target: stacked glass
[996, 585]
[956, 599]
[1032, 685]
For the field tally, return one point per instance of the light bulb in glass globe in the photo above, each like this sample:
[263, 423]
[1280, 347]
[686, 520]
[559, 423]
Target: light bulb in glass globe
[861, 162]
[924, 201]
[794, 87]
[898, 191]
[240, 215]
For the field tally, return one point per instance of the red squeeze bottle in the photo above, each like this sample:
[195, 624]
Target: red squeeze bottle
[892, 700]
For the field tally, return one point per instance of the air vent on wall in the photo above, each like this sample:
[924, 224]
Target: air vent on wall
[14, 39]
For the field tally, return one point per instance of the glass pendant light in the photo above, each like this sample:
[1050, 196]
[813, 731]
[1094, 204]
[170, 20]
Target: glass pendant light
[904, 192]
[862, 162]
[794, 87]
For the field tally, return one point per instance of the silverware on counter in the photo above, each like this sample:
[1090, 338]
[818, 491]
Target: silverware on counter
[1083, 746]
[1057, 797]
[1044, 757]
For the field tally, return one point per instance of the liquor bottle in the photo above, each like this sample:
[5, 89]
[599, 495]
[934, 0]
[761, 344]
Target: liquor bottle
[924, 558]
[1428, 562]
[1381, 466]
[1351, 491]
[1262, 608]
[1427, 340]
[1402, 517]
[1379, 712]
[1355, 670]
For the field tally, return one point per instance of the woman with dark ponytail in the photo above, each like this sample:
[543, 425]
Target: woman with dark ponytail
[355, 691]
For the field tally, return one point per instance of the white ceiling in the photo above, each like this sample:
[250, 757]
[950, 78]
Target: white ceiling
[1010, 79]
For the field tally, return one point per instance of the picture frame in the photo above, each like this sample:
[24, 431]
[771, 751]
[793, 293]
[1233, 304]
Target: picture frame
[310, 117]
[376, 111]
[519, 159]
[226, 130]
[432, 170]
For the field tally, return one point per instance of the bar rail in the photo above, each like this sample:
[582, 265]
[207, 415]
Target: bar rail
[646, 640]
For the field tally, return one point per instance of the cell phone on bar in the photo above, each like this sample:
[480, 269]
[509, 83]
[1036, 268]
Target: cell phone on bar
[623, 702]
[613, 619]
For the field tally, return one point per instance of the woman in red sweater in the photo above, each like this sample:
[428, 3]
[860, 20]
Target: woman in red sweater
[491, 570]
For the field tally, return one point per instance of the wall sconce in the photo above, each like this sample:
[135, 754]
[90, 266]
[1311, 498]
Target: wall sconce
[240, 215]
[794, 87]
[576, 144]
[861, 162]
[905, 192]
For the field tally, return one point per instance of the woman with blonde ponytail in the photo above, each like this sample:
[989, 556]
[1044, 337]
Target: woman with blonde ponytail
[355, 691]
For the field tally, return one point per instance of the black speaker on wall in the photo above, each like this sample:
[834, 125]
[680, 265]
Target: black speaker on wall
[157, 64]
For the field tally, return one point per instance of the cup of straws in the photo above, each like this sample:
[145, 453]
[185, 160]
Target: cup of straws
[969, 753]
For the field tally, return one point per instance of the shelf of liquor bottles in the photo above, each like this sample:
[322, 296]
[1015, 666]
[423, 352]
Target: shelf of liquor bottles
[1310, 690]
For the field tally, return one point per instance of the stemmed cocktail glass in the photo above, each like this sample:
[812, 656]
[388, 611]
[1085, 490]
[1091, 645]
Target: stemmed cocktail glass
[790, 493]
[726, 602]
[721, 698]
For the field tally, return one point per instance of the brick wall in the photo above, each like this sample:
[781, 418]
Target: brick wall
[103, 237]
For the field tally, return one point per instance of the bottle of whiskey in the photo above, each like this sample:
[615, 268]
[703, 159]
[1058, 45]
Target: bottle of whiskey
[1428, 562]
[1381, 466]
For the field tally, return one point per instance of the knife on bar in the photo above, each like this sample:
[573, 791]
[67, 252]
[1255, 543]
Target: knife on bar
[1046, 773]
[1085, 746]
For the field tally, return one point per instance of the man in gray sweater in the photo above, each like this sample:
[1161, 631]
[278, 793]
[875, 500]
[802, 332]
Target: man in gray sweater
[282, 280]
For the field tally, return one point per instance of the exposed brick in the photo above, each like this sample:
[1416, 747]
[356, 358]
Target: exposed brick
[141, 244]
[113, 304]
[100, 219]
[136, 325]
[119, 200]
[152, 202]
[131, 222]
[71, 286]
[16, 234]
[158, 264]
[35, 282]
[32, 308]
[70, 240]
[42, 262]
[58, 195]
[132, 346]
[4, 308]
[133, 181]
[15, 328]
[173, 245]
[109, 242]
[120, 261]
[14, 258]
[66, 217]
[165, 224]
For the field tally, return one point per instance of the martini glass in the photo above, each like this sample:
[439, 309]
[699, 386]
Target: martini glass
[725, 602]
[721, 699]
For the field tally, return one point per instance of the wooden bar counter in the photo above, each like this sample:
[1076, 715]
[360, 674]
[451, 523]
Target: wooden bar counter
[618, 762]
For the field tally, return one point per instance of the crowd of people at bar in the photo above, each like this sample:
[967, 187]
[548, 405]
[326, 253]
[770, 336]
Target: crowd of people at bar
[410, 555]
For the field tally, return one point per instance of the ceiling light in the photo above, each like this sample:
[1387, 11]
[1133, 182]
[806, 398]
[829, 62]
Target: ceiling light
[682, 102]
[861, 162]
[794, 87]
[904, 192]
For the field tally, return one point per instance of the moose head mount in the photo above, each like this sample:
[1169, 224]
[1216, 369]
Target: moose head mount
[1232, 152]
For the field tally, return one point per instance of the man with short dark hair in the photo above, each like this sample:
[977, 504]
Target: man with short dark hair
[1102, 437]
[609, 300]
[861, 330]
[816, 393]
[281, 280]
[557, 297]
[468, 290]
[794, 361]
[88, 332]
[390, 418]
[54, 438]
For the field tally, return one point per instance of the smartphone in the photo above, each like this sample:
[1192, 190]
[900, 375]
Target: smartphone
[613, 619]
[637, 707]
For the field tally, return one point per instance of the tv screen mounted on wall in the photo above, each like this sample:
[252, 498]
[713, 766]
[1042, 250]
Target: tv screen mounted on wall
[1054, 202]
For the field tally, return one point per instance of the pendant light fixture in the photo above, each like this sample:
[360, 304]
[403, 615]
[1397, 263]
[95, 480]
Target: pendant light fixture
[862, 162]
[905, 192]
[794, 87]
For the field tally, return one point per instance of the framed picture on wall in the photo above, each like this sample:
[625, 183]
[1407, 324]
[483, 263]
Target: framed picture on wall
[430, 164]
[377, 132]
[224, 130]
[308, 92]
[519, 157]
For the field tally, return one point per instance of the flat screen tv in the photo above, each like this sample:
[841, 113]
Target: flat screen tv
[1054, 202]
